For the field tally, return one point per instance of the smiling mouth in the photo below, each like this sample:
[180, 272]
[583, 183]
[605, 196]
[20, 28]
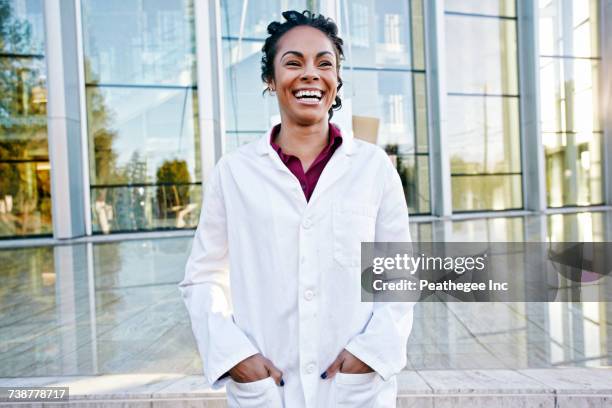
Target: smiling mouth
[309, 97]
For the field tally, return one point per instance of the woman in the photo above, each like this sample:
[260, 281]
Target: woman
[272, 285]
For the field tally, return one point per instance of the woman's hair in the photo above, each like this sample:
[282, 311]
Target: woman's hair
[294, 19]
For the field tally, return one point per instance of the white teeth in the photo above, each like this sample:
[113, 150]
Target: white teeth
[300, 94]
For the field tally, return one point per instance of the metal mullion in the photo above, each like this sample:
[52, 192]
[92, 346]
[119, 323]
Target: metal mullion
[532, 148]
[439, 162]
[478, 15]
[211, 118]
[86, 179]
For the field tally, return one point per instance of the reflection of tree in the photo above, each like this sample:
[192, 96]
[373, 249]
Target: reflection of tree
[170, 196]
[408, 176]
[24, 182]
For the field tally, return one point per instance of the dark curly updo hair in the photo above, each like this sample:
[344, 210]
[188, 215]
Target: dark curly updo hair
[294, 19]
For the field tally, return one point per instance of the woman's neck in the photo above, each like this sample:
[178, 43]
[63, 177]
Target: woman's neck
[304, 142]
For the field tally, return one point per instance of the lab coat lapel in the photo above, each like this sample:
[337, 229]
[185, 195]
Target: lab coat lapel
[336, 167]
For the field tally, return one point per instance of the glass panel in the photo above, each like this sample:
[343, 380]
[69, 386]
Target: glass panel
[379, 33]
[257, 16]
[136, 131]
[481, 55]
[245, 106]
[573, 168]
[490, 7]
[168, 205]
[414, 173]
[484, 136]
[568, 95]
[25, 188]
[234, 140]
[486, 192]
[387, 98]
[22, 29]
[25, 198]
[569, 28]
[136, 42]
[144, 144]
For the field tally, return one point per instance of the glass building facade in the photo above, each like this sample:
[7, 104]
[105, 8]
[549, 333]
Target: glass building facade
[25, 189]
[166, 88]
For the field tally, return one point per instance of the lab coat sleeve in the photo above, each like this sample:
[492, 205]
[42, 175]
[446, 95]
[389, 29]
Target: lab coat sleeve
[205, 291]
[383, 343]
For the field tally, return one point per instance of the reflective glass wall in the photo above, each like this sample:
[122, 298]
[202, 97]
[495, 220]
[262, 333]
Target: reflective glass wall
[25, 189]
[571, 122]
[248, 114]
[141, 91]
[482, 112]
[385, 86]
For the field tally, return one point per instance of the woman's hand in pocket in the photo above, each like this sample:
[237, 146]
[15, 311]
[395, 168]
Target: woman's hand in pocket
[346, 363]
[255, 368]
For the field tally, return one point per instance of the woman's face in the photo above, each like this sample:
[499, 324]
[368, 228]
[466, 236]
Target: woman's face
[305, 75]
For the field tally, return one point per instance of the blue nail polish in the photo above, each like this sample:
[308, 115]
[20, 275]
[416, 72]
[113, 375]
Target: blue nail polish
[324, 375]
[282, 383]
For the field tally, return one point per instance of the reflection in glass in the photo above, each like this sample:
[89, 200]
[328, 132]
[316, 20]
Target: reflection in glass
[388, 97]
[135, 130]
[498, 229]
[569, 102]
[166, 205]
[135, 42]
[379, 32]
[569, 28]
[144, 144]
[245, 107]
[385, 84]
[484, 135]
[256, 17]
[491, 7]
[569, 95]
[247, 111]
[481, 55]
[574, 168]
[25, 190]
[486, 192]
[482, 107]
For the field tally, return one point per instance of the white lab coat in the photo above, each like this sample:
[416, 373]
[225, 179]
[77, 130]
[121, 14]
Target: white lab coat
[271, 273]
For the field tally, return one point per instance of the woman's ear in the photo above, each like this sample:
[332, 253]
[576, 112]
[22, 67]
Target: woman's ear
[271, 86]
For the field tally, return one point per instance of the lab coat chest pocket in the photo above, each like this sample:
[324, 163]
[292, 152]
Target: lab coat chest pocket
[352, 225]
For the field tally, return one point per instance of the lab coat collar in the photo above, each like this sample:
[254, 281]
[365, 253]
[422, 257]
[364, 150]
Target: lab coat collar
[346, 147]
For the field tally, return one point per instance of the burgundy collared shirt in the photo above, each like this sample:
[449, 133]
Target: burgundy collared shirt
[308, 180]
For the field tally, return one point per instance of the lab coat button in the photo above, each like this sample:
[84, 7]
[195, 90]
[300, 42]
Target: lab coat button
[307, 223]
[308, 295]
[310, 368]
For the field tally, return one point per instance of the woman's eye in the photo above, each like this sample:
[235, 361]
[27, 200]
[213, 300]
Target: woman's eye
[294, 63]
[326, 63]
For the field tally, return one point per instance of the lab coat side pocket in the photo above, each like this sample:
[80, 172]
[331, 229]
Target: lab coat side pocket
[257, 394]
[359, 391]
[352, 225]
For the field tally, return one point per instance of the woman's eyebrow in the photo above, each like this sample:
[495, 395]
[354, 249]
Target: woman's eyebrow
[299, 54]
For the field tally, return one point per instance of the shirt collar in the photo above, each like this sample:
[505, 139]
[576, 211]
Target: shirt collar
[344, 139]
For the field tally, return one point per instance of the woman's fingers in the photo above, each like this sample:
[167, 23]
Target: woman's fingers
[274, 372]
[334, 367]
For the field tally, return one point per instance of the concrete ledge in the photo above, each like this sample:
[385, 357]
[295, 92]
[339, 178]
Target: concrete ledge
[545, 388]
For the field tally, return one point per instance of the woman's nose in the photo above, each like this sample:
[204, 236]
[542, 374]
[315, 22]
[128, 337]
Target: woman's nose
[310, 73]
